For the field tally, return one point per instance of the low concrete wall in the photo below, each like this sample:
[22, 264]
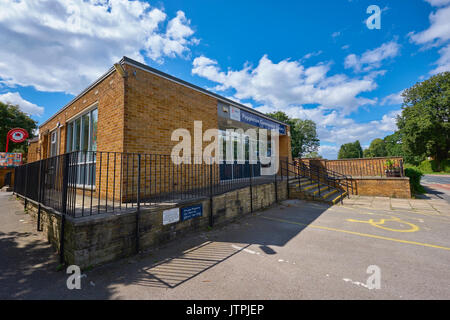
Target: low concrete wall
[382, 187]
[95, 240]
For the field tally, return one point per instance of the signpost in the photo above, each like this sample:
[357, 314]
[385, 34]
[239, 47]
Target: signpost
[16, 135]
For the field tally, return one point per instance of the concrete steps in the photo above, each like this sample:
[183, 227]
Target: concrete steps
[305, 188]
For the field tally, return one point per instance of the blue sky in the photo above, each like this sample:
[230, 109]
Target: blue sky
[312, 59]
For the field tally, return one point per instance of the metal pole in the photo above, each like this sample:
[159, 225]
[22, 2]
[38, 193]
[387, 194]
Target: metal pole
[251, 188]
[211, 218]
[287, 177]
[26, 184]
[138, 200]
[276, 189]
[64, 206]
[39, 197]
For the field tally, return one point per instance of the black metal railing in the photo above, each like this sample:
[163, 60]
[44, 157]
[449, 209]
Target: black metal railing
[318, 175]
[86, 183]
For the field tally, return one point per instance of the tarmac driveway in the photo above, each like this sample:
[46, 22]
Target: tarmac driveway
[296, 250]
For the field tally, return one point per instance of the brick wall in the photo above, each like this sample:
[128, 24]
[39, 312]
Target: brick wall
[364, 167]
[33, 152]
[382, 187]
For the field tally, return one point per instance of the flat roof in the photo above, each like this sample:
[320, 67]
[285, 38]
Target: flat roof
[137, 64]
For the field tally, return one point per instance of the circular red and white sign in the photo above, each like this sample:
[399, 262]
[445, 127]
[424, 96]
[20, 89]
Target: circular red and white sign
[17, 135]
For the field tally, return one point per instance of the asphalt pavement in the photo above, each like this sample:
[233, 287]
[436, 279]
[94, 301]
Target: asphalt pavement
[295, 250]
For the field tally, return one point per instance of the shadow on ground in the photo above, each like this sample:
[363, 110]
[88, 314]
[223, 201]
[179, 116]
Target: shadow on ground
[188, 257]
[30, 273]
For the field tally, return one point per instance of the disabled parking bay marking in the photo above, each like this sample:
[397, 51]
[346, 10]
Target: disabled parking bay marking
[381, 222]
[359, 233]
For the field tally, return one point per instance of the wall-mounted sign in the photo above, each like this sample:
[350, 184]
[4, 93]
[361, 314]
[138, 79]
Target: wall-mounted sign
[235, 113]
[171, 216]
[191, 212]
[9, 159]
[261, 122]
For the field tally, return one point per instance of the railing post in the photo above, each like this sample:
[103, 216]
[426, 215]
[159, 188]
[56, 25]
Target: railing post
[39, 197]
[138, 200]
[15, 176]
[65, 183]
[211, 218]
[26, 185]
[276, 188]
[287, 177]
[251, 188]
[401, 168]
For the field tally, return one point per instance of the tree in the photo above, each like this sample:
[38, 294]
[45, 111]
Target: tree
[11, 117]
[424, 123]
[377, 148]
[350, 150]
[312, 155]
[393, 145]
[304, 138]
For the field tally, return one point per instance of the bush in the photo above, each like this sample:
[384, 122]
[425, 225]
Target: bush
[430, 166]
[414, 175]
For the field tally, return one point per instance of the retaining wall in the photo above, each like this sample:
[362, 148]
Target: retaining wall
[95, 240]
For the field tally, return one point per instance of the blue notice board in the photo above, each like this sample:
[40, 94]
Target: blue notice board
[191, 212]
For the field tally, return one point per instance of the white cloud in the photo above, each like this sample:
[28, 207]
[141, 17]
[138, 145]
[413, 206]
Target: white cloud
[443, 63]
[439, 29]
[393, 99]
[336, 34]
[372, 59]
[65, 45]
[438, 33]
[15, 98]
[288, 83]
[328, 152]
[438, 3]
[335, 129]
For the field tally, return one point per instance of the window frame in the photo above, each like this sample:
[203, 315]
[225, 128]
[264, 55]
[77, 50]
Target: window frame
[86, 156]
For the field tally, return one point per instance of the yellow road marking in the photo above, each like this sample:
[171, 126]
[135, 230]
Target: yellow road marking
[434, 216]
[360, 234]
[380, 224]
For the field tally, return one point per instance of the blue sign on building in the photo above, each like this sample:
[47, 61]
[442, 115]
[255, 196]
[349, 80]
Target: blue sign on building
[191, 212]
[261, 122]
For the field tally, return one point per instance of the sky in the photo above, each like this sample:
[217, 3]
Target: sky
[315, 60]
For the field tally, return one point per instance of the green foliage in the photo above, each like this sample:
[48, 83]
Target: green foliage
[393, 145]
[377, 148]
[304, 138]
[431, 166]
[11, 117]
[389, 164]
[313, 155]
[424, 123]
[414, 175]
[350, 150]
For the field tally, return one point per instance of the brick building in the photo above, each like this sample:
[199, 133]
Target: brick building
[134, 108]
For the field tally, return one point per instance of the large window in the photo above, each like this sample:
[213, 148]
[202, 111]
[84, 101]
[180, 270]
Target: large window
[54, 143]
[82, 139]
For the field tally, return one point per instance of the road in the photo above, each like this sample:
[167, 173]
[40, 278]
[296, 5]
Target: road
[295, 250]
[436, 186]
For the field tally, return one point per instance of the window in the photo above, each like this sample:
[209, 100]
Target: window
[54, 143]
[82, 139]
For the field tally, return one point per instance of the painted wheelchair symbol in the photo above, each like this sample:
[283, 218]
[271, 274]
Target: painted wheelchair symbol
[381, 222]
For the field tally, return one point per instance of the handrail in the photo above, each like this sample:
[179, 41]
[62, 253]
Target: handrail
[328, 177]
